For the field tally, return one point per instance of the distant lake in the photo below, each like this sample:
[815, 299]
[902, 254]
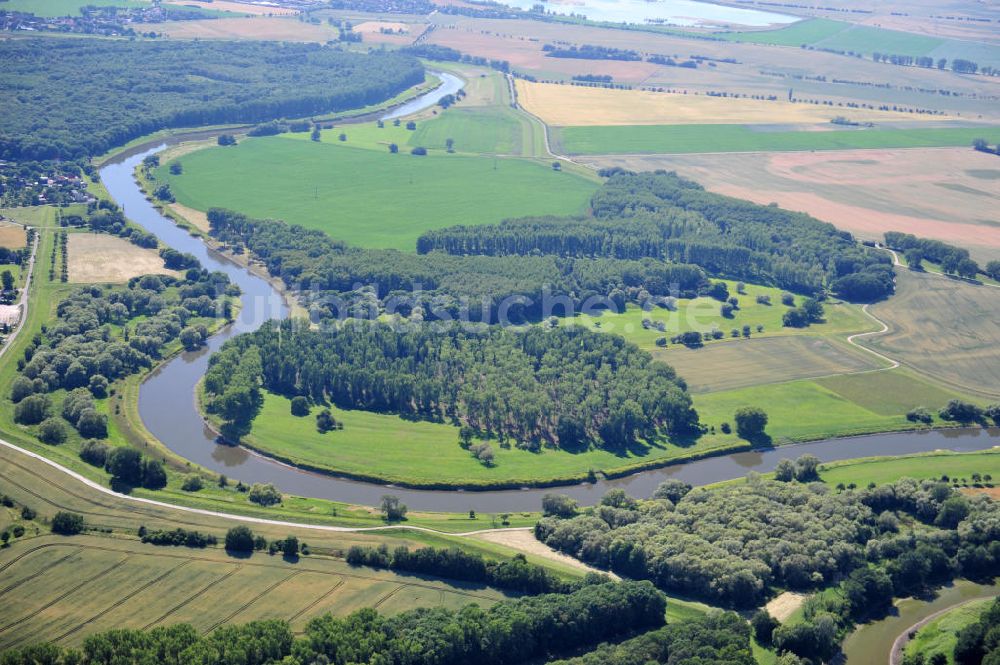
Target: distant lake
[687, 13]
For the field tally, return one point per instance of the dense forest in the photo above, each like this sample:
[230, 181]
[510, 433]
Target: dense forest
[70, 98]
[733, 545]
[661, 215]
[444, 286]
[718, 638]
[508, 633]
[566, 387]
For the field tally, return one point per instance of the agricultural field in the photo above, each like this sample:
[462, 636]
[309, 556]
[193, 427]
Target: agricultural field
[53, 8]
[570, 105]
[61, 589]
[797, 34]
[842, 405]
[938, 327]
[370, 197]
[671, 139]
[256, 27]
[99, 258]
[742, 363]
[943, 193]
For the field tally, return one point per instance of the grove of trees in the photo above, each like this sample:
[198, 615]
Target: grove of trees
[567, 386]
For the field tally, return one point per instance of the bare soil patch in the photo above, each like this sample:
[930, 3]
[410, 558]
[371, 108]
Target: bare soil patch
[98, 258]
[258, 27]
[197, 218]
[12, 236]
[525, 541]
[992, 492]
[784, 605]
[9, 314]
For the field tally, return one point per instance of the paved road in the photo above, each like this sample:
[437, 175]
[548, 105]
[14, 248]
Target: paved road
[23, 300]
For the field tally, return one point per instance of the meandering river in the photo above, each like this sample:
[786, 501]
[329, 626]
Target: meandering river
[167, 400]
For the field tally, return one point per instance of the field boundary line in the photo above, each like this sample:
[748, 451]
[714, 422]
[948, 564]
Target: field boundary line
[236, 568]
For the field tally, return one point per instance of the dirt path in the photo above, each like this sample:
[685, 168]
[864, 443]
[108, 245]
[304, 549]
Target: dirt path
[896, 655]
[523, 540]
[784, 605]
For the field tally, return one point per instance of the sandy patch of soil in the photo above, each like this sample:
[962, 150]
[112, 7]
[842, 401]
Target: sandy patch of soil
[99, 258]
[525, 541]
[9, 314]
[784, 605]
[197, 218]
[992, 492]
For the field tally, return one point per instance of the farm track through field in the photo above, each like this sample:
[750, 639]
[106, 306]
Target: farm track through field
[250, 602]
[184, 603]
[21, 581]
[316, 602]
[59, 598]
[378, 603]
[121, 601]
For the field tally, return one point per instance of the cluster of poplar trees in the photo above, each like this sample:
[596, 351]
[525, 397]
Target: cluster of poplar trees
[566, 387]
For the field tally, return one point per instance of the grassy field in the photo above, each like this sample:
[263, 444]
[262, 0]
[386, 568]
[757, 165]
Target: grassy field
[51, 8]
[941, 634]
[804, 32]
[703, 315]
[370, 197]
[428, 454]
[881, 470]
[833, 406]
[570, 106]
[742, 363]
[939, 326]
[486, 131]
[667, 139]
[62, 589]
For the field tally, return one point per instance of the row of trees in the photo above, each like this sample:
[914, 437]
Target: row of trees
[953, 260]
[515, 574]
[732, 545]
[508, 633]
[446, 286]
[661, 215]
[565, 386]
[137, 87]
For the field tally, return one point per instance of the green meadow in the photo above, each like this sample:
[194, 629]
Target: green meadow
[882, 470]
[52, 8]
[359, 192]
[841, 36]
[675, 139]
[803, 32]
[385, 446]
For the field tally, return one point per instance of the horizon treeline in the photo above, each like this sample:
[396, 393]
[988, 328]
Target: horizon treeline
[70, 98]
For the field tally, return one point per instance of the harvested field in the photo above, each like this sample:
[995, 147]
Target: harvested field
[12, 236]
[389, 32]
[944, 193]
[95, 258]
[757, 361]
[244, 8]
[258, 27]
[62, 589]
[944, 328]
[569, 105]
